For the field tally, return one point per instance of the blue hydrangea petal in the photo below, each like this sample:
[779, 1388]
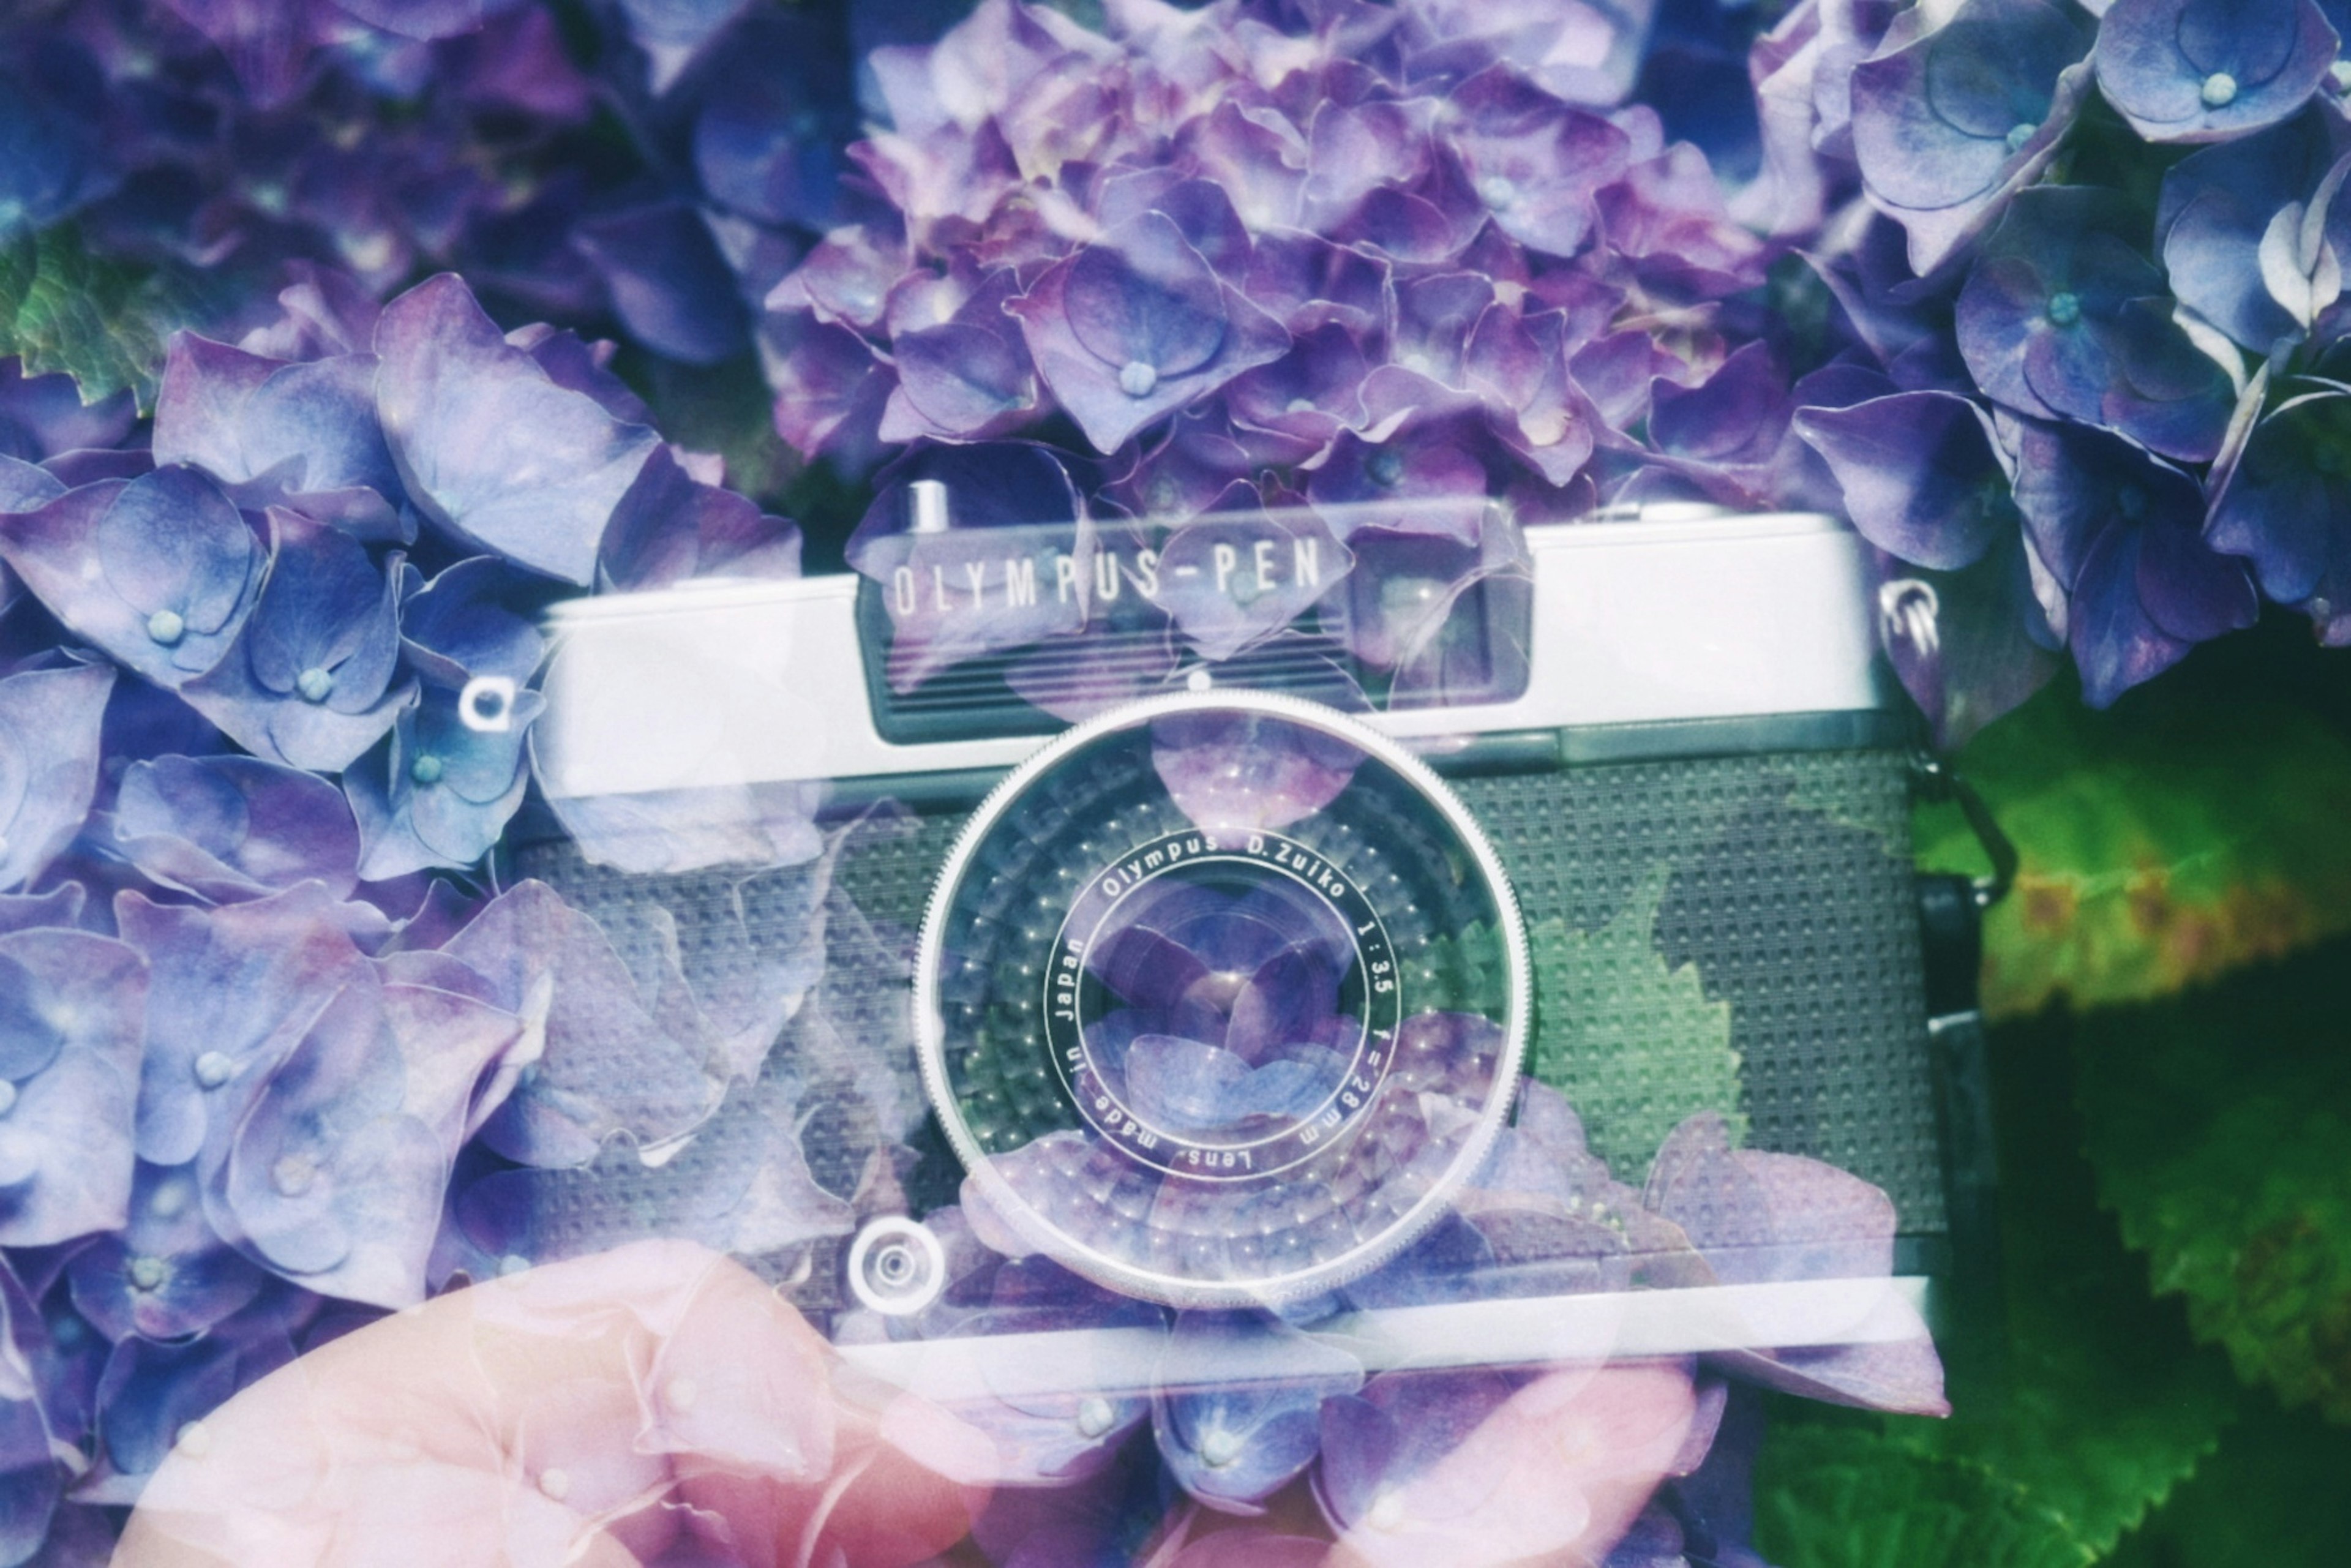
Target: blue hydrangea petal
[459, 625]
[490, 447]
[233, 828]
[308, 680]
[71, 1035]
[44, 416]
[159, 571]
[438, 791]
[232, 992]
[1247, 771]
[2206, 70]
[1536, 164]
[1920, 473]
[671, 527]
[335, 1176]
[667, 281]
[50, 724]
[275, 432]
[2168, 393]
[167, 1275]
[2219, 202]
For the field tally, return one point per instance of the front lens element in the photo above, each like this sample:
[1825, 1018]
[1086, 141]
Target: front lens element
[1221, 995]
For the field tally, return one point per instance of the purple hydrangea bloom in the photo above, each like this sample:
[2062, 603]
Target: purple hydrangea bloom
[2063, 317]
[308, 681]
[334, 1175]
[2281, 503]
[491, 447]
[963, 372]
[618, 1056]
[1949, 125]
[1238, 574]
[50, 722]
[2121, 534]
[667, 281]
[671, 527]
[160, 571]
[1238, 1402]
[1426, 476]
[2226, 208]
[150, 1391]
[165, 1275]
[301, 436]
[233, 990]
[443, 785]
[43, 417]
[72, 1013]
[2206, 70]
[1533, 162]
[229, 829]
[1133, 327]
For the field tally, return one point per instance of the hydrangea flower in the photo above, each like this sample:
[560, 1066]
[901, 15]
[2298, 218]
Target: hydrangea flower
[2235, 215]
[159, 571]
[309, 681]
[165, 1276]
[228, 829]
[1954, 121]
[1237, 1409]
[2206, 70]
[491, 446]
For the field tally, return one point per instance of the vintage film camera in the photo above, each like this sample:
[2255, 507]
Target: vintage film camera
[1218, 996]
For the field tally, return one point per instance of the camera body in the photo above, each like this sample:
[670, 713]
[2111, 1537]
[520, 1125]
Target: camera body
[1671, 731]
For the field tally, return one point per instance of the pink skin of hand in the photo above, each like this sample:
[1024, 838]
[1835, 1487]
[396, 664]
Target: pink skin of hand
[654, 1405]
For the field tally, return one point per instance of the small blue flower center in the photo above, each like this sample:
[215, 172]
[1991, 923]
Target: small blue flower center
[425, 770]
[1095, 1416]
[2219, 91]
[147, 1273]
[1299, 405]
[167, 627]
[1497, 192]
[1384, 468]
[314, 683]
[293, 1174]
[2020, 134]
[2065, 309]
[212, 1069]
[1219, 1447]
[1137, 377]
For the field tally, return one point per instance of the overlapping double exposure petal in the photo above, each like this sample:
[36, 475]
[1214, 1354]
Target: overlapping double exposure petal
[2206, 70]
[1237, 1403]
[615, 1057]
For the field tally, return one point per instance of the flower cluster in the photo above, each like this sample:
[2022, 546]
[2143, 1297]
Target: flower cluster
[2090, 267]
[1402, 274]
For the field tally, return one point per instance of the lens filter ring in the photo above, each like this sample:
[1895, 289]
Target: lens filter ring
[1219, 998]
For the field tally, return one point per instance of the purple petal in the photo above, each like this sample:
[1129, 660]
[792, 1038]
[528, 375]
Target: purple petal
[2207, 70]
[1536, 164]
[275, 432]
[1920, 473]
[70, 1032]
[1238, 574]
[490, 447]
[669, 286]
[460, 625]
[167, 1275]
[233, 828]
[671, 527]
[1232, 1444]
[50, 722]
[2216, 206]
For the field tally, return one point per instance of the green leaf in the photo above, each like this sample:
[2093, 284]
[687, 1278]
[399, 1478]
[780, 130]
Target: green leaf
[2163, 842]
[1636, 1046]
[2219, 1126]
[2092, 1400]
[63, 309]
[2277, 1493]
[1842, 1496]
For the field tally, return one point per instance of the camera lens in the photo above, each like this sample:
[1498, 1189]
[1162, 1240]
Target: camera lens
[1221, 995]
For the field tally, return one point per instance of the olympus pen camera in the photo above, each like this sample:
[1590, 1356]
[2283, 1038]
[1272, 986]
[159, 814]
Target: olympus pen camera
[1219, 989]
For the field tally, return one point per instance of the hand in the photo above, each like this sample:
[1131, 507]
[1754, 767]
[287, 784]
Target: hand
[654, 1405]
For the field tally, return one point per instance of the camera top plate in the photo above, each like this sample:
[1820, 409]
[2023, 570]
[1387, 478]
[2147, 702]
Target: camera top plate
[1108, 1000]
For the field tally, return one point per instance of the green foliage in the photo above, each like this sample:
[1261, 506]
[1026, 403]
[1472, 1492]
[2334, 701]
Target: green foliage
[2163, 843]
[2220, 1126]
[1843, 1496]
[1636, 1046]
[62, 309]
[2092, 1401]
[2278, 1493]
